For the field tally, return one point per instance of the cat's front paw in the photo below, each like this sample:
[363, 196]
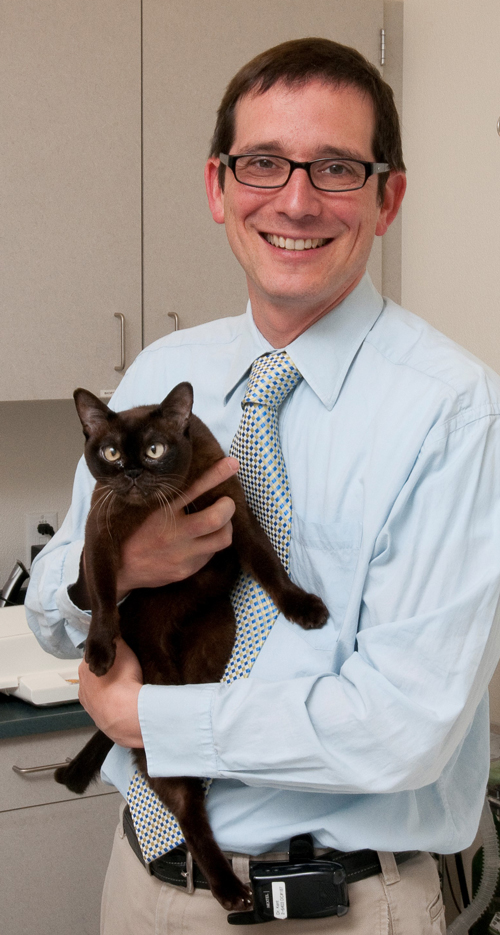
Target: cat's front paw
[307, 610]
[100, 656]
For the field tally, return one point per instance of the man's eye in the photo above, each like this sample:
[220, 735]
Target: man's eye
[262, 163]
[337, 169]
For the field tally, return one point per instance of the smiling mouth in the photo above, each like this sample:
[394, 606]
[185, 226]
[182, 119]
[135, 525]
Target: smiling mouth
[287, 243]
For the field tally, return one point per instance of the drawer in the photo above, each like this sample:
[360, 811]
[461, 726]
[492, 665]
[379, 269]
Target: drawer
[23, 790]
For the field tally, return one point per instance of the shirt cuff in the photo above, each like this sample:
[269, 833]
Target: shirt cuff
[176, 725]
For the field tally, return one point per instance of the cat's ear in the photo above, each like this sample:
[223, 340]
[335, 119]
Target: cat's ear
[92, 411]
[178, 405]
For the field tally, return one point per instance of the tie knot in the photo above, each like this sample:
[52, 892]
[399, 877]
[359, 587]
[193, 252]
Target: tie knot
[272, 378]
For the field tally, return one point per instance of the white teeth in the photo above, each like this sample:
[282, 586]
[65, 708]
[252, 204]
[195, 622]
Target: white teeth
[290, 244]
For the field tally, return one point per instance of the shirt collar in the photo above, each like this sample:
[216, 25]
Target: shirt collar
[323, 353]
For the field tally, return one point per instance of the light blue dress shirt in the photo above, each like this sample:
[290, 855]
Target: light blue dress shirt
[372, 732]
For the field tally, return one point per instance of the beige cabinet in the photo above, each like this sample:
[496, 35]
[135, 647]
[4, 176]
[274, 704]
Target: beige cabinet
[70, 189]
[55, 845]
[107, 111]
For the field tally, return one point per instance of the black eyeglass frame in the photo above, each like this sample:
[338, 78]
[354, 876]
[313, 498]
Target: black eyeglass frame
[371, 168]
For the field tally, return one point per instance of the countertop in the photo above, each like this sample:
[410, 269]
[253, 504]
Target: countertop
[18, 718]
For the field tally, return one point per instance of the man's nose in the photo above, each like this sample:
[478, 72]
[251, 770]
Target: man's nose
[298, 197]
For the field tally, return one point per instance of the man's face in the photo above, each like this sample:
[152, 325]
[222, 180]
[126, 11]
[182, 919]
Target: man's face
[303, 124]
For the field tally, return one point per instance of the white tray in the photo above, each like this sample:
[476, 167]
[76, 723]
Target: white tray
[26, 670]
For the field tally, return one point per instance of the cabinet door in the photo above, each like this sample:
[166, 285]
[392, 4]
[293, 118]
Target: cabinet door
[70, 189]
[191, 51]
[53, 866]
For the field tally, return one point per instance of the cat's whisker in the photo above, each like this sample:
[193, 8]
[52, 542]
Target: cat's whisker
[168, 503]
[104, 506]
[99, 494]
[170, 514]
[166, 485]
[109, 509]
[101, 498]
[109, 499]
[165, 507]
[173, 493]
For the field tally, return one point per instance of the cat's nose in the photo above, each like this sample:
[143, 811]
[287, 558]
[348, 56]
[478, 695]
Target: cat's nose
[133, 473]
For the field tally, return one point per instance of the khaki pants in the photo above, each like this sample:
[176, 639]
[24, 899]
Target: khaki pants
[404, 900]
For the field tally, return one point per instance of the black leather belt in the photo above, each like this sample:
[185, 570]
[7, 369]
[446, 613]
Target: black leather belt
[172, 867]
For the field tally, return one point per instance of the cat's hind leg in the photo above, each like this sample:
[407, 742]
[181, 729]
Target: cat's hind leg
[84, 767]
[185, 797]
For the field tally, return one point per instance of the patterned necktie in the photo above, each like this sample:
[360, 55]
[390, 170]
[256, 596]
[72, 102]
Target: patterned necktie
[264, 479]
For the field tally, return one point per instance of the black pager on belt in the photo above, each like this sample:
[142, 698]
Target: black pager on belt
[303, 888]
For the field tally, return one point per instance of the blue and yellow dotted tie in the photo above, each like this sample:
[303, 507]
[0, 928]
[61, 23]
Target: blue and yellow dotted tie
[264, 479]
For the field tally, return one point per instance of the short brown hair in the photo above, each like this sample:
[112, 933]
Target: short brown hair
[301, 60]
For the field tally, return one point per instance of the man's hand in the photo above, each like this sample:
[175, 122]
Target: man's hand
[111, 699]
[172, 545]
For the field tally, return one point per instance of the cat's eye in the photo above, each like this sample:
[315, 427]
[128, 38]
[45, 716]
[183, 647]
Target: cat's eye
[111, 453]
[155, 450]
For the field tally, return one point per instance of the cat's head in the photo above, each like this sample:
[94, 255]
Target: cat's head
[139, 453]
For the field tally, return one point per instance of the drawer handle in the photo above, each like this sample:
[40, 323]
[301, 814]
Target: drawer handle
[175, 316]
[23, 770]
[121, 319]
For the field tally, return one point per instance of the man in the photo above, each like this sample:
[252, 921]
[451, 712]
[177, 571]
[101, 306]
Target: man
[370, 734]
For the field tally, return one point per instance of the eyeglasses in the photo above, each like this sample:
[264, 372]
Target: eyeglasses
[261, 170]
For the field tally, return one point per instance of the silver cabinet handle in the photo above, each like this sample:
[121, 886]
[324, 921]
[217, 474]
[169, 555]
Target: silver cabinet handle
[23, 770]
[122, 340]
[175, 316]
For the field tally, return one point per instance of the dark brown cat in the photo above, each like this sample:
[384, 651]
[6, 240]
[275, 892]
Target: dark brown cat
[183, 632]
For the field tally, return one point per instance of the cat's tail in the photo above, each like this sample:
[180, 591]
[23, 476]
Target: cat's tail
[84, 767]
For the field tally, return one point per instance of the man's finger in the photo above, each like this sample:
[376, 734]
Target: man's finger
[219, 472]
[211, 519]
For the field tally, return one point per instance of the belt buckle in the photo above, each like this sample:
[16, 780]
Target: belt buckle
[188, 873]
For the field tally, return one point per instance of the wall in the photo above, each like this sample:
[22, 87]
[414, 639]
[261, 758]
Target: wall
[451, 213]
[393, 74]
[40, 447]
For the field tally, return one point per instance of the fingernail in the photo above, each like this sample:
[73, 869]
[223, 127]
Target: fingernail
[234, 463]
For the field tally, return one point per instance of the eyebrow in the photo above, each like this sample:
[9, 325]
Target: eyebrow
[275, 148]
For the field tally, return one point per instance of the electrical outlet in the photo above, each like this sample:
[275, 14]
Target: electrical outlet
[36, 540]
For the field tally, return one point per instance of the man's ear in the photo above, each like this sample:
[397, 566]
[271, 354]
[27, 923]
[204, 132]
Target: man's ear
[393, 196]
[214, 192]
